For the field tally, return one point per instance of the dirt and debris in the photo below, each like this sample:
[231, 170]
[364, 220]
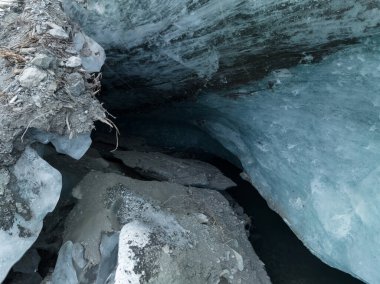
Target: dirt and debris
[38, 62]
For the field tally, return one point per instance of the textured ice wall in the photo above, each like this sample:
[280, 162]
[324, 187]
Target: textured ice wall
[172, 45]
[309, 137]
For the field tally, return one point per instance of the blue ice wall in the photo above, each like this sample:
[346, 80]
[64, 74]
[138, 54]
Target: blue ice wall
[309, 137]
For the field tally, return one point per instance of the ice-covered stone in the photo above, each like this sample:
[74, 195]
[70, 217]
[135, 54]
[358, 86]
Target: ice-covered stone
[134, 237]
[91, 53]
[75, 147]
[163, 167]
[65, 271]
[33, 194]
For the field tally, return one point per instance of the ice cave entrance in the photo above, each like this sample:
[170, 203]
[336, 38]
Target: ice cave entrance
[279, 95]
[286, 259]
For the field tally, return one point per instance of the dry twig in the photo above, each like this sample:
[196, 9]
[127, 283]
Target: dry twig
[11, 56]
[111, 124]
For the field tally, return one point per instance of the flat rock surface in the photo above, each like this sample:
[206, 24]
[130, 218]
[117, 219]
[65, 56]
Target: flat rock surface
[163, 167]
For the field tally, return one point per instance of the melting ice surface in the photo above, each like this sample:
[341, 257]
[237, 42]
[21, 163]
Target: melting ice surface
[311, 145]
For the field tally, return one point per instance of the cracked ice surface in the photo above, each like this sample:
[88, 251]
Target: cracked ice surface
[38, 186]
[311, 147]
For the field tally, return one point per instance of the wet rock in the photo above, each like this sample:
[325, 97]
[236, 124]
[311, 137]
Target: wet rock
[32, 77]
[163, 167]
[73, 171]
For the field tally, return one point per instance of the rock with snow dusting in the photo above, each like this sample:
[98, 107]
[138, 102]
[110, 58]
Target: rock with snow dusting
[131, 231]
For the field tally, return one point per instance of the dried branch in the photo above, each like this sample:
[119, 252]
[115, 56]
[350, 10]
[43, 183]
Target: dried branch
[11, 56]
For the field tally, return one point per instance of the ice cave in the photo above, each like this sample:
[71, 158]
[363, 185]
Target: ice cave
[190, 141]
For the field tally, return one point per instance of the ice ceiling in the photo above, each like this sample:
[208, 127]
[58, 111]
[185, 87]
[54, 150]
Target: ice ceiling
[291, 88]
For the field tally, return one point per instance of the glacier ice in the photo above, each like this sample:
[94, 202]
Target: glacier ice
[179, 45]
[74, 147]
[309, 137]
[91, 53]
[70, 258]
[34, 193]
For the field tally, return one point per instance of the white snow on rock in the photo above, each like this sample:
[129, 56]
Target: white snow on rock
[134, 234]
